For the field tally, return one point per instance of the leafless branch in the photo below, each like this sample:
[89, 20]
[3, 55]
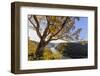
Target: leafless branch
[37, 28]
[36, 20]
[45, 33]
[31, 22]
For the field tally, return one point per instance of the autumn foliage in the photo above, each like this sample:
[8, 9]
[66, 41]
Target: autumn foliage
[47, 54]
[56, 27]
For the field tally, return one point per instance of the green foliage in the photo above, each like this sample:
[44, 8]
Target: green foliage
[83, 42]
[47, 53]
[61, 47]
[31, 49]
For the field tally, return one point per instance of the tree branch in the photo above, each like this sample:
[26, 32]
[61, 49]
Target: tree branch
[63, 24]
[36, 20]
[45, 33]
[31, 22]
[48, 40]
[37, 28]
[61, 27]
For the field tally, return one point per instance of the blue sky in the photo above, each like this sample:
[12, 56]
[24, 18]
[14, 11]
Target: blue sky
[83, 23]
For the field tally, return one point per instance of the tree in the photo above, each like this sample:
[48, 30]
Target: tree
[55, 28]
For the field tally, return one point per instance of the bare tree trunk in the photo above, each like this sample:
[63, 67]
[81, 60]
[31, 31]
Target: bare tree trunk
[39, 50]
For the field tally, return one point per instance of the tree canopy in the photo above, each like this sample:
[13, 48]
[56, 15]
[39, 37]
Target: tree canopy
[55, 27]
[49, 28]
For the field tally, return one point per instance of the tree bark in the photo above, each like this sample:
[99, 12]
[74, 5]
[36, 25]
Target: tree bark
[39, 50]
